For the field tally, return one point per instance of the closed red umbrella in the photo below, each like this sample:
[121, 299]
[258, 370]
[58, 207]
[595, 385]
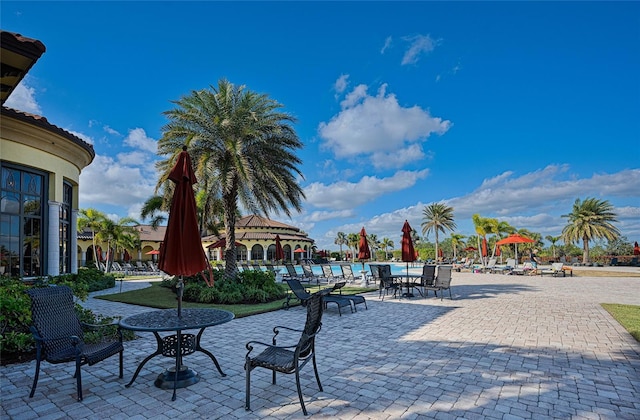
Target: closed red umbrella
[364, 253]
[636, 249]
[408, 253]
[99, 253]
[440, 253]
[484, 247]
[182, 253]
[126, 256]
[498, 251]
[279, 250]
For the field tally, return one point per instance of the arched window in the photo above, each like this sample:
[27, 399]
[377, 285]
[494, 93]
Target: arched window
[257, 252]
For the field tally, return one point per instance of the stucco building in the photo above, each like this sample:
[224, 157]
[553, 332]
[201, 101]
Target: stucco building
[40, 167]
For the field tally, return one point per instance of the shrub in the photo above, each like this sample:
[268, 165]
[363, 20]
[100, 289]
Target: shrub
[15, 317]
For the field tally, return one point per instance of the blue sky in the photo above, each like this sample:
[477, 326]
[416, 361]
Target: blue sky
[510, 110]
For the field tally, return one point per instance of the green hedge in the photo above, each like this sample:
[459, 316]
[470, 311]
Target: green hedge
[249, 287]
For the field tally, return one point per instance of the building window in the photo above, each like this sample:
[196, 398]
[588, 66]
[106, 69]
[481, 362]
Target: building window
[65, 229]
[22, 210]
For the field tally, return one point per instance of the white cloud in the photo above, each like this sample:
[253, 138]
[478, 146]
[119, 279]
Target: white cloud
[110, 130]
[418, 45]
[398, 158]
[320, 216]
[137, 138]
[347, 195]
[387, 44]
[110, 182]
[377, 124]
[23, 98]
[341, 83]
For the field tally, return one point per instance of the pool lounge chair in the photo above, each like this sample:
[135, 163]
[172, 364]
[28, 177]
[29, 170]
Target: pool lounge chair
[557, 269]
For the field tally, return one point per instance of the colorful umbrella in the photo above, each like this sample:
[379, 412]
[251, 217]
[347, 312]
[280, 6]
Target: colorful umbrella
[636, 249]
[484, 247]
[440, 253]
[279, 250]
[515, 239]
[182, 253]
[153, 252]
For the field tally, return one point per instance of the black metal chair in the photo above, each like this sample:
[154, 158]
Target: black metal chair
[354, 299]
[428, 278]
[59, 335]
[382, 273]
[442, 282]
[288, 359]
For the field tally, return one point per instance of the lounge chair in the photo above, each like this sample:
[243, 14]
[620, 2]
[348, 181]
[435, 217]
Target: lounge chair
[288, 359]
[347, 273]
[442, 282]
[354, 299]
[291, 272]
[527, 268]
[58, 334]
[303, 296]
[555, 270]
[308, 274]
[328, 273]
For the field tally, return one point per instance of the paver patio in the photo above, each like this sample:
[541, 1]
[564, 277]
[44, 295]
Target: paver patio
[506, 347]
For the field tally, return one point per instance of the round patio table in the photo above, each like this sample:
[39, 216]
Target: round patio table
[407, 283]
[176, 345]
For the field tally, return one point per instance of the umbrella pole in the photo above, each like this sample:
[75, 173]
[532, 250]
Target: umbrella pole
[179, 290]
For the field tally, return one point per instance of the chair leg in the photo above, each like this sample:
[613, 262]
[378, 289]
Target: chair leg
[78, 376]
[315, 369]
[35, 378]
[304, 409]
[247, 399]
[121, 364]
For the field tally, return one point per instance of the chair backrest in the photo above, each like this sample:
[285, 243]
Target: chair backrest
[312, 325]
[291, 270]
[326, 270]
[428, 274]
[375, 271]
[492, 262]
[511, 262]
[384, 270]
[443, 278]
[256, 267]
[556, 266]
[307, 272]
[270, 267]
[53, 315]
[298, 289]
[347, 271]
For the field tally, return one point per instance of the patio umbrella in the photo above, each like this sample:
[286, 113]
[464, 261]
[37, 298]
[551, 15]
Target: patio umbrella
[364, 253]
[408, 253]
[182, 253]
[279, 250]
[470, 248]
[484, 247]
[515, 239]
[440, 253]
[636, 249]
[153, 252]
[126, 256]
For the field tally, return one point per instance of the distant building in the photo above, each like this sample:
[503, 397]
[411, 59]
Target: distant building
[40, 167]
[256, 241]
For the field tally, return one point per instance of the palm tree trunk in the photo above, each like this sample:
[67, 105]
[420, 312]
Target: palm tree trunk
[230, 252]
[585, 250]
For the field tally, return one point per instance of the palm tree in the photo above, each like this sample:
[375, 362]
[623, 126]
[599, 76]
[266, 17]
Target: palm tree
[341, 239]
[353, 240]
[553, 240]
[154, 208]
[483, 226]
[91, 219]
[590, 219]
[437, 217]
[385, 245]
[456, 242]
[243, 148]
[113, 233]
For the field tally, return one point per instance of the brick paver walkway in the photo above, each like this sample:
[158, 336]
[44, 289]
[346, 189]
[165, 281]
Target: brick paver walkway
[506, 347]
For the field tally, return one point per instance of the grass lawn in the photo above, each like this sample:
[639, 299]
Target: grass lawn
[160, 297]
[627, 315]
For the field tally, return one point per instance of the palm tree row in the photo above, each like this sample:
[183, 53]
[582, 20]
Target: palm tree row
[119, 235]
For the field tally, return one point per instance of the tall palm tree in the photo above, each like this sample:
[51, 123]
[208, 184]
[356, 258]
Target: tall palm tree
[243, 148]
[437, 217]
[341, 239]
[483, 227]
[155, 207]
[590, 219]
[91, 219]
